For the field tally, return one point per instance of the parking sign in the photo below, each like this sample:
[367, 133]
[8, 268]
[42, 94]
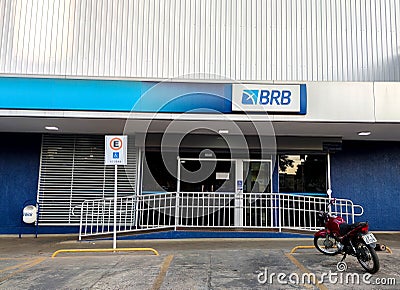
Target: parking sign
[116, 150]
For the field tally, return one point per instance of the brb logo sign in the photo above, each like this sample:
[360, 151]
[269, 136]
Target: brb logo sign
[269, 98]
[266, 97]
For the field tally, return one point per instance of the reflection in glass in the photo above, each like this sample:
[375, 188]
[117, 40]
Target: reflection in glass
[257, 176]
[221, 179]
[302, 173]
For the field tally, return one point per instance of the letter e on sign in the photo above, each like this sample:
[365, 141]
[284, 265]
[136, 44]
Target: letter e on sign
[116, 143]
[116, 150]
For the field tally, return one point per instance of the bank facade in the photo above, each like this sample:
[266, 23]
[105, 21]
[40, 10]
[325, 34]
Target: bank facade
[229, 108]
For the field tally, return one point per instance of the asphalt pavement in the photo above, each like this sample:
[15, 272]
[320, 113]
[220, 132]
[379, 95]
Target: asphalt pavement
[187, 264]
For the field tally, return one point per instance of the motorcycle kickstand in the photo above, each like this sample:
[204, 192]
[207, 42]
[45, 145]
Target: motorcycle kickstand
[344, 257]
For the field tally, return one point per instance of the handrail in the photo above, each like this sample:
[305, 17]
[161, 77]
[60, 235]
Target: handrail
[209, 210]
[359, 207]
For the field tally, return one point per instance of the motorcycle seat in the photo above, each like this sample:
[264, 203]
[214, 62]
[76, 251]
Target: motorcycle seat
[345, 228]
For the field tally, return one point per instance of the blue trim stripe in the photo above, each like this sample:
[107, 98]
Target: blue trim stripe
[212, 235]
[57, 94]
[113, 95]
[307, 194]
[303, 99]
[119, 96]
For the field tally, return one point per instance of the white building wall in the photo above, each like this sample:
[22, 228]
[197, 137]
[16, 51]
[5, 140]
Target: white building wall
[258, 40]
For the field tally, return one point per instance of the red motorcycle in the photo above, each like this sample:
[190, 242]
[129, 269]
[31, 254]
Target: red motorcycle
[347, 239]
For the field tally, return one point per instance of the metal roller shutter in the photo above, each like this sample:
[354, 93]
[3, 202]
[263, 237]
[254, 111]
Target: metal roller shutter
[72, 170]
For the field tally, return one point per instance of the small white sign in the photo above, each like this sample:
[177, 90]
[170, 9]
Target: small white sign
[116, 150]
[222, 175]
[29, 214]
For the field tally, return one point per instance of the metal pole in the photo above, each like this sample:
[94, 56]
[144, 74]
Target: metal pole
[115, 207]
[178, 185]
[81, 223]
[178, 190]
[329, 176]
[139, 178]
[239, 205]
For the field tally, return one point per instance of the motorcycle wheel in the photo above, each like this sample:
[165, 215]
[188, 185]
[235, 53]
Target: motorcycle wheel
[367, 258]
[326, 245]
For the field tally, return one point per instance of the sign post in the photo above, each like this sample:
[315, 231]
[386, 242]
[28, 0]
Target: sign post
[115, 154]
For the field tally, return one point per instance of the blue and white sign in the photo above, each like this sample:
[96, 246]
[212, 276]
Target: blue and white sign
[116, 150]
[269, 98]
[239, 185]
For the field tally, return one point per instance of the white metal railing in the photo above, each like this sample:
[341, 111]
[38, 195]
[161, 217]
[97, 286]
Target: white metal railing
[97, 216]
[210, 210]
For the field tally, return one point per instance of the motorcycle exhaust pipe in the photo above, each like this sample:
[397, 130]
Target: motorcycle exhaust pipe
[380, 247]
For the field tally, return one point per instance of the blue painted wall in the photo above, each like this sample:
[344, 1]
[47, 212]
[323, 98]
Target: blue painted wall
[366, 172]
[19, 167]
[369, 174]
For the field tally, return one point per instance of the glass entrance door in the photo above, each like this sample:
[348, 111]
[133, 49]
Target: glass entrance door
[206, 175]
[257, 182]
[241, 184]
[206, 188]
[257, 176]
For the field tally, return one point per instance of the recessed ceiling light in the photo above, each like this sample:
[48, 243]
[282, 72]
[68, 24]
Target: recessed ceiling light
[51, 128]
[223, 131]
[364, 133]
